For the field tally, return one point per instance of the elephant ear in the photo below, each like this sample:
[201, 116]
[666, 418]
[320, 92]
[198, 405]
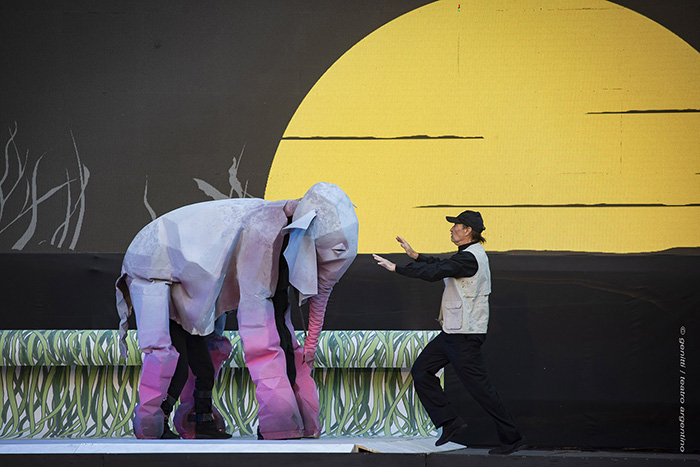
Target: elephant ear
[301, 256]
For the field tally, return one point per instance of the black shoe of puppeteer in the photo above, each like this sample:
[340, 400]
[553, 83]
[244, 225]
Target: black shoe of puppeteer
[208, 430]
[205, 428]
[168, 433]
[505, 449]
[450, 429]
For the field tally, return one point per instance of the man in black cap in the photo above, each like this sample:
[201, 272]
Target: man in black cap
[464, 316]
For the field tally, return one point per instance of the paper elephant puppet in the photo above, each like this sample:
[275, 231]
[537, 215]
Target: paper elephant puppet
[197, 262]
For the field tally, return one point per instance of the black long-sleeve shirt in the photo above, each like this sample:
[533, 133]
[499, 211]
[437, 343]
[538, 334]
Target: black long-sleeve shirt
[432, 269]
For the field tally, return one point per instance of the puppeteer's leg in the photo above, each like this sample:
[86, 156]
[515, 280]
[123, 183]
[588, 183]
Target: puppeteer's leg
[219, 349]
[471, 370]
[427, 384]
[150, 300]
[178, 336]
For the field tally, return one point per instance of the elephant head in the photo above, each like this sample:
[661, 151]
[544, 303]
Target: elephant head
[322, 245]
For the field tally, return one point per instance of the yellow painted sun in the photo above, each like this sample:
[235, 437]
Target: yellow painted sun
[569, 125]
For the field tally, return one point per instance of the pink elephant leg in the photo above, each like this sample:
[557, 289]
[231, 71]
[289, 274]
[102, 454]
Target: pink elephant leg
[278, 413]
[156, 372]
[219, 349]
[307, 396]
[151, 301]
[304, 388]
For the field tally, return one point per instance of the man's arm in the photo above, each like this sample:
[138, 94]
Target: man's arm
[431, 268]
[427, 259]
[462, 264]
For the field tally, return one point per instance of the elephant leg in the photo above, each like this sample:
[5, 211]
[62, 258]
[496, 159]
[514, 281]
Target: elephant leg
[278, 413]
[151, 301]
[305, 389]
[220, 349]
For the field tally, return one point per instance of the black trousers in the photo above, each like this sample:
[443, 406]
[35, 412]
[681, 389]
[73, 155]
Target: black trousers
[194, 354]
[463, 351]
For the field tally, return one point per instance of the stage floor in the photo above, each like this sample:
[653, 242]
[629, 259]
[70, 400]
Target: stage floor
[336, 452]
[234, 445]
[326, 445]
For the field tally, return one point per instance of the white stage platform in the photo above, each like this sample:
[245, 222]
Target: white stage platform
[339, 452]
[235, 445]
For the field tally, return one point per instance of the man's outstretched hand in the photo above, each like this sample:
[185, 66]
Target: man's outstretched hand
[385, 263]
[388, 265]
[409, 251]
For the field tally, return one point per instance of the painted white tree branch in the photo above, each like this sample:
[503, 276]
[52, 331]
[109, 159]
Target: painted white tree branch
[29, 233]
[20, 169]
[233, 177]
[209, 190]
[84, 178]
[233, 181]
[32, 200]
[63, 228]
[145, 202]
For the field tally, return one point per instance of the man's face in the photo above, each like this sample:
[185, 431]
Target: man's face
[460, 234]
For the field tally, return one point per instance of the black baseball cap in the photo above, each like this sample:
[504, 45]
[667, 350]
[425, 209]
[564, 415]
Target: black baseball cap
[470, 219]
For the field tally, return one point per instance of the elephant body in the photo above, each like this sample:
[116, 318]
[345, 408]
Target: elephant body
[194, 264]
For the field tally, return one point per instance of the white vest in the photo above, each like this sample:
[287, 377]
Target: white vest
[465, 301]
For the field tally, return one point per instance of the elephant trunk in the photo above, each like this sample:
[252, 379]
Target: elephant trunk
[317, 312]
